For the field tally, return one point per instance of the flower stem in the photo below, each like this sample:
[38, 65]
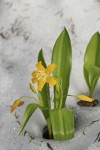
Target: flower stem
[71, 95]
[49, 128]
[29, 97]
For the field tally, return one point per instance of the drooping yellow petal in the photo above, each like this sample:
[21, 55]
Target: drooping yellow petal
[16, 104]
[50, 68]
[40, 66]
[41, 84]
[84, 98]
[32, 88]
[51, 80]
[34, 80]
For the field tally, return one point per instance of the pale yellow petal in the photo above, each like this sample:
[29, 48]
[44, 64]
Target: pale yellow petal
[41, 84]
[16, 104]
[40, 66]
[34, 80]
[51, 80]
[85, 98]
[50, 68]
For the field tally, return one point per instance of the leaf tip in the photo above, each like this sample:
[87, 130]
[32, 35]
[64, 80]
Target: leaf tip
[41, 50]
[97, 32]
[64, 30]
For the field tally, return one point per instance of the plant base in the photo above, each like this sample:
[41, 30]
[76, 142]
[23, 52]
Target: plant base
[88, 104]
[46, 133]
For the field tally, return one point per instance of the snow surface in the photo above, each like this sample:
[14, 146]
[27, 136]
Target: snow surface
[26, 26]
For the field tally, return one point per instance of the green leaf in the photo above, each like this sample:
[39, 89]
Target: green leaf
[62, 57]
[28, 113]
[62, 122]
[30, 110]
[92, 58]
[44, 95]
[93, 77]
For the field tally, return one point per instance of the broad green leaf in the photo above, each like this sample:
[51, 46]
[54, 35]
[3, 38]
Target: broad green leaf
[30, 110]
[62, 121]
[93, 77]
[62, 57]
[92, 58]
[28, 113]
[44, 95]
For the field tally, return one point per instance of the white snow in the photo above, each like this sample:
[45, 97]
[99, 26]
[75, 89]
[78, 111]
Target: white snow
[26, 26]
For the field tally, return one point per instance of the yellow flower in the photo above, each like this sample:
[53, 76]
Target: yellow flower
[42, 75]
[85, 98]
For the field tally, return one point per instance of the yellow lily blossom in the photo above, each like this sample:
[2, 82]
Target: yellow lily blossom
[85, 98]
[42, 75]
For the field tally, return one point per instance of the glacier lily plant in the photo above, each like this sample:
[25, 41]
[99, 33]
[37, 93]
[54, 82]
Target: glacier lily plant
[60, 120]
[92, 63]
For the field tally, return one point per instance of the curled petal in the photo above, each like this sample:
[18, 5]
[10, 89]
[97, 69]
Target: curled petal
[21, 103]
[40, 66]
[50, 68]
[16, 104]
[51, 80]
[41, 84]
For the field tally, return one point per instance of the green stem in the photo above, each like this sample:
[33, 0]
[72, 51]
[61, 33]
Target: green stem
[60, 102]
[29, 97]
[71, 95]
[49, 128]
[60, 96]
